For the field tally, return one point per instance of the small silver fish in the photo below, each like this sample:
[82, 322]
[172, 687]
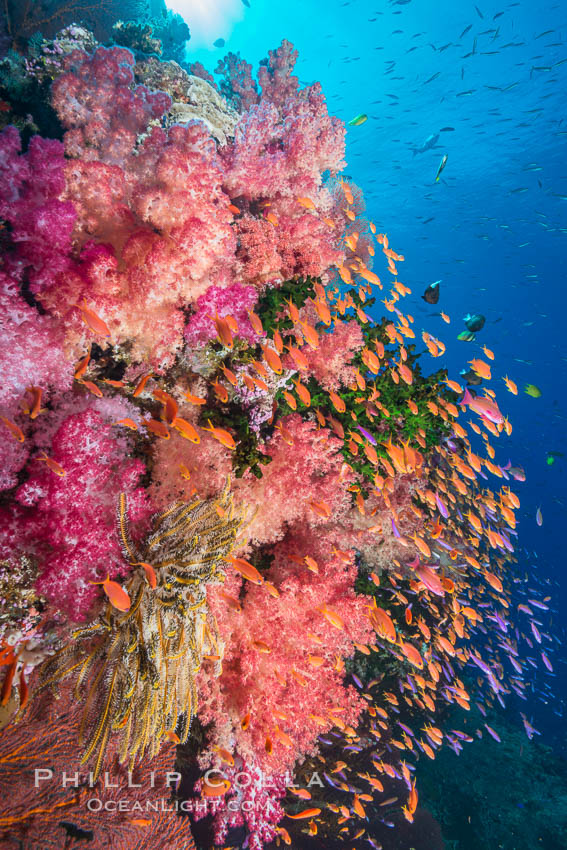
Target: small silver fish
[442, 165]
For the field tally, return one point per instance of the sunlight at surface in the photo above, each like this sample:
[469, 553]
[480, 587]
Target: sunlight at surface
[208, 19]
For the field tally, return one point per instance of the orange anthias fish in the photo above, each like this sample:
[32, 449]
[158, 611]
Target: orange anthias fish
[382, 623]
[272, 359]
[256, 322]
[52, 465]
[303, 793]
[92, 321]
[216, 790]
[82, 365]
[307, 203]
[35, 407]
[284, 835]
[337, 402]
[510, 385]
[141, 385]
[481, 368]
[195, 399]
[246, 569]
[224, 437]
[158, 428]
[306, 813]
[186, 430]
[332, 617]
[149, 571]
[170, 406]
[322, 509]
[224, 334]
[225, 756]
[117, 596]
[128, 423]
[13, 429]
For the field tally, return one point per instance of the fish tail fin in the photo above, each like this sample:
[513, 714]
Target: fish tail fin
[467, 397]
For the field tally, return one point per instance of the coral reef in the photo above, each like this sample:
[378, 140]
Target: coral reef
[189, 324]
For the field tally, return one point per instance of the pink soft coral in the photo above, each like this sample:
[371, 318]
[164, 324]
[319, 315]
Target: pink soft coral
[275, 74]
[307, 472]
[274, 154]
[282, 664]
[31, 188]
[235, 300]
[329, 363]
[101, 108]
[259, 259]
[71, 519]
[254, 803]
[209, 465]
[169, 225]
[237, 84]
[30, 347]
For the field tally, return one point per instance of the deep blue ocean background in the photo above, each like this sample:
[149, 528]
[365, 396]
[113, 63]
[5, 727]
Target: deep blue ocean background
[493, 229]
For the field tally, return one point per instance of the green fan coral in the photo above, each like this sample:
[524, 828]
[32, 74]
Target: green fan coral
[136, 670]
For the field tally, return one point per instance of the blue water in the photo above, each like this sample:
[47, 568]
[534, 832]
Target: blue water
[493, 229]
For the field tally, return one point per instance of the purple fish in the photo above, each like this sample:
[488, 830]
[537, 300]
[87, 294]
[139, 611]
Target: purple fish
[394, 529]
[368, 436]
[460, 735]
[492, 732]
[538, 604]
[517, 667]
[357, 681]
[547, 662]
[530, 731]
[441, 506]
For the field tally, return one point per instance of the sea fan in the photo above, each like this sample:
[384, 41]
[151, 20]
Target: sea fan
[136, 670]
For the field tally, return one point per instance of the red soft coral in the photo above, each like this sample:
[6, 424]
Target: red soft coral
[71, 519]
[168, 223]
